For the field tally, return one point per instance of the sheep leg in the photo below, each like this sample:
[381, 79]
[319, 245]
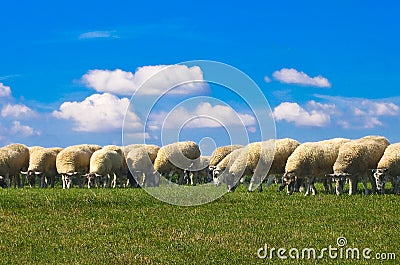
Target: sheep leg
[373, 184]
[17, 181]
[327, 185]
[113, 181]
[309, 184]
[63, 181]
[193, 178]
[353, 185]
[7, 180]
[52, 180]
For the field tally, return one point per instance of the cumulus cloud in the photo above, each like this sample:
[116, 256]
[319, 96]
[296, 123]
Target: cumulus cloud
[125, 83]
[204, 115]
[293, 112]
[24, 130]
[292, 76]
[97, 34]
[98, 113]
[267, 79]
[17, 111]
[5, 91]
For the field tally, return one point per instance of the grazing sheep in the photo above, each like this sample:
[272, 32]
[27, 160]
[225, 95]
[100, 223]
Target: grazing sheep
[222, 168]
[14, 158]
[255, 160]
[140, 164]
[73, 162]
[176, 157]
[220, 153]
[355, 160]
[388, 169]
[283, 149]
[42, 164]
[311, 160]
[152, 151]
[106, 165]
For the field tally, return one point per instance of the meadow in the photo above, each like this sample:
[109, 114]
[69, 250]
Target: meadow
[128, 226]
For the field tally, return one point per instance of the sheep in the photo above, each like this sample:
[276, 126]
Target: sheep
[106, 165]
[311, 160]
[73, 162]
[176, 157]
[140, 163]
[14, 158]
[152, 151]
[42, 164]
[283, 149]
[354, 161]
[255, 160]
[223, 166]
[220, 153]
[388, 169]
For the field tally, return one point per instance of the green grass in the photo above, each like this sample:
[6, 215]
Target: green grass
[128, 226]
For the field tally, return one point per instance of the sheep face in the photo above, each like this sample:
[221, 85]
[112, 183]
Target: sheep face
[289, 180]
[216, 174]
[340, 180]
[91, 180]
[381, 177]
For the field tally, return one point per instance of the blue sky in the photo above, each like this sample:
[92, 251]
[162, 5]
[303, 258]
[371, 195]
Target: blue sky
[327, 69]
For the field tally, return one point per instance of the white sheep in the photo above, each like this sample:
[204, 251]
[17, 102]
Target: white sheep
[73, 162]
[140, 164]
[220, 153]
[388, 169]
[176, 157]
[354, 161]
[311, 160]
[42, 164]
[106, 165]
[222, 168]
[14, 158]
[255, 160]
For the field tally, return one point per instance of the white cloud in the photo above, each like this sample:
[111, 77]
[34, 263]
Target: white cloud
[326, 108]
[267, 79]
[97, 34]
[292, 76]
[203, 116]
[98, 113]
[357, 113]
[125, 83]
[293, 112]
[17, 111]
[5, 91]
[24, 130]
[380, 108]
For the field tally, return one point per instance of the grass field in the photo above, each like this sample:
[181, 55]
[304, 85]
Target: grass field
[128, 226]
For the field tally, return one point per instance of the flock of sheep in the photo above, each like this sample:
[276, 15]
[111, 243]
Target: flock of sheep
[369, 159]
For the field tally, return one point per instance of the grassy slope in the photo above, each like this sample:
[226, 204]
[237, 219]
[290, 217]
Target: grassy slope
[128, 226]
